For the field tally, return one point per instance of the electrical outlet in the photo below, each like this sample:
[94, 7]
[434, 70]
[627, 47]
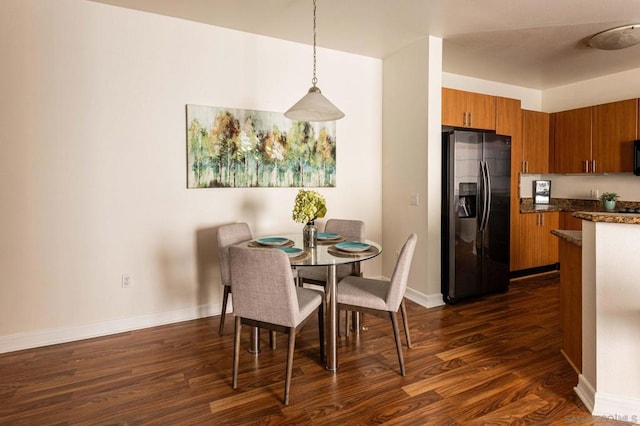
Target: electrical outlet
[126, 280]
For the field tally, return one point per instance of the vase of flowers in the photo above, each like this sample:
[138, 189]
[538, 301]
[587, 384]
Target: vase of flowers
[309, 206]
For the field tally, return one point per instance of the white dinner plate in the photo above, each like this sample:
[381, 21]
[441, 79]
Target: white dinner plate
[291, 251]
[272, 241]
[352, 246]
[328, 235]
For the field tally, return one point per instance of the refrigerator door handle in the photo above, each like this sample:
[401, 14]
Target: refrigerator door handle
[482, 205]
[483, 196]
[487, 195]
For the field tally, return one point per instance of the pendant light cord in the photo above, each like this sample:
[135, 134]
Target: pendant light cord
[314, 80]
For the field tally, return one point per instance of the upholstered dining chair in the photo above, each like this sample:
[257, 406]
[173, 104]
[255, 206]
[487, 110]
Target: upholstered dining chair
[266, 296]
[381, 297]
[317, 275]
[229, 235]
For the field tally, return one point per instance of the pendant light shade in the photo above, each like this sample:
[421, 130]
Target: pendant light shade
[314, 106]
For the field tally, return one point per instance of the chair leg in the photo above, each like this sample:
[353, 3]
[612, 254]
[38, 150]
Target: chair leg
[272, 339]
[357, 322]
[236, 351]
[225, 296]
[321, 332]
[405, 321]
[346, 323]
[287, 381]
[396, 335]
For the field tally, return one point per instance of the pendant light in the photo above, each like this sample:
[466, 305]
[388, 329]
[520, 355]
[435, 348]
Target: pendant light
[314, 106]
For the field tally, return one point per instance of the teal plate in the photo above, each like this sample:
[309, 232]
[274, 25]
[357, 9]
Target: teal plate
[328, 236]
[291, 251]
[272, 241]
[352, 246]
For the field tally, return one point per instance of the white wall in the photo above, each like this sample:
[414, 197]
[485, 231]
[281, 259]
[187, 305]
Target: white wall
[611, 321]
[585, 187]
[610, 88]
[530, 99]
[411, 162]
[93, 161]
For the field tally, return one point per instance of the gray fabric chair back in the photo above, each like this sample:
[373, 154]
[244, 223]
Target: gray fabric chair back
[263, 287]
[229, 235]
[346, 227]
[400, 275]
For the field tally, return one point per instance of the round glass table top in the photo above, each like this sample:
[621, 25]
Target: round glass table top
[334, 251]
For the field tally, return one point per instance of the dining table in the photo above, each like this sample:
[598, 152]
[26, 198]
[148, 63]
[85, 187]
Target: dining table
[330, 250]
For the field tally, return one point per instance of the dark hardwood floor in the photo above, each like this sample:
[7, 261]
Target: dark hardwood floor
[494, 360]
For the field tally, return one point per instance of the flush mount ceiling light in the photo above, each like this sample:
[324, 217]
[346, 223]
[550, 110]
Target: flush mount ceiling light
[314, 106]
[616, 38]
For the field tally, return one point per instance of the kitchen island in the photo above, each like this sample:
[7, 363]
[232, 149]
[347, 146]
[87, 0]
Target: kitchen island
[609, 382]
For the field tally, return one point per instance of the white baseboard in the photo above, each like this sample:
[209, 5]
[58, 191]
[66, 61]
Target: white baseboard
[610, 406]
[34, 339]
[585, 392]
[39, 338]
[426, 300]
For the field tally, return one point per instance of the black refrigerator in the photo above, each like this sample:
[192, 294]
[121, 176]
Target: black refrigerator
[476, 193]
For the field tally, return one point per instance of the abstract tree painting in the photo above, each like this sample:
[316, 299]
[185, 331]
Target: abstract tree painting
[237, 148]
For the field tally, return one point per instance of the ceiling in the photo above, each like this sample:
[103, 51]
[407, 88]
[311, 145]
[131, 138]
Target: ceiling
[538, 44]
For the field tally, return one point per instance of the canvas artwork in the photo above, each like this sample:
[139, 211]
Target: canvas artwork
[238, 148]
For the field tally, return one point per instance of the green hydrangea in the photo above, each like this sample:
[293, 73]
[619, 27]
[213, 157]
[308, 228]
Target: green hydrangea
[309, 206]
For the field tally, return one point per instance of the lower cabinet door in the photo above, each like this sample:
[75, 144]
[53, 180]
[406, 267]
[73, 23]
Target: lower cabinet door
[537, 246]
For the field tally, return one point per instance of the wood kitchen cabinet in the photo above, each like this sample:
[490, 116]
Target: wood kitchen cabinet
[504, 115]
[572, 140]
[467, 109]
[570, 223]
[614, 130]
[509, 122]
[595, 139]
[536, 245]
[571, 302]
[535, 142]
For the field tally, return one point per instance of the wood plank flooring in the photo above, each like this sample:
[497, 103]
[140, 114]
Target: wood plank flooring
[494, 360]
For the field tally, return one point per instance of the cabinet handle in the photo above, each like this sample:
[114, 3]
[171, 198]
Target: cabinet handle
[593, 166]
[586, 166]
[470, 119]
[541, 219]
[526, 166]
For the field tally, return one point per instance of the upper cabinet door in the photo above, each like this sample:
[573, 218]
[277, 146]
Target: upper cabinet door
[482, 111]
[535, 142]
[454, 107]
[572, 141]
[466, 109]
[614, 130]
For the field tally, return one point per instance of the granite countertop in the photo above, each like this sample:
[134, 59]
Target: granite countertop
[574, 237]
[609, 217]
